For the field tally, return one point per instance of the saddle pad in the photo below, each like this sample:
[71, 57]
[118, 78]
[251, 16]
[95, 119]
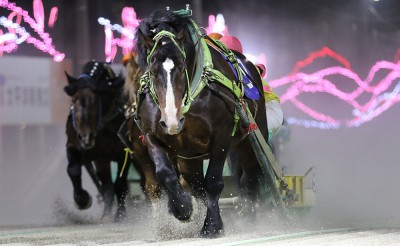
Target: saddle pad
[250, 90]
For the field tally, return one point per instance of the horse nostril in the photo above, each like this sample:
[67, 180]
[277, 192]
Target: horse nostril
[181, 122]
[162, 123]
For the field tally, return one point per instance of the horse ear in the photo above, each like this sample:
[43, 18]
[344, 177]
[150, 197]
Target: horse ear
[119, 81]
[146, 40]
[70, 79]
[110, 72]
[70, 89]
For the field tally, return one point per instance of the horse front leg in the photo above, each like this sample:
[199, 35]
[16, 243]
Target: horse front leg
[121, 188]
[103, 171]
[179, 201]
[82, 198]
[214, 185]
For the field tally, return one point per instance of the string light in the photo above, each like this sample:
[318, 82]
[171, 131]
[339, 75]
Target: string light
[37, 24]
[53, 17]
[319, 81]
[126, 42]
[216, 24]
[325, 51]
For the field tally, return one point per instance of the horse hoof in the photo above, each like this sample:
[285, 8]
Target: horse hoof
[83, 200]
[182, 211]
[120, 215]
[195, 211]
[106, 219]
[211, 233]
[213, 227]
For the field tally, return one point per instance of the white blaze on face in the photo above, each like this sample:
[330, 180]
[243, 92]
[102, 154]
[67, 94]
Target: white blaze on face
[170, 108]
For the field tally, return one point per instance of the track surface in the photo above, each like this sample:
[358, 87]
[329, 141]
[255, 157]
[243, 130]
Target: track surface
[125, 235]
[143, 227]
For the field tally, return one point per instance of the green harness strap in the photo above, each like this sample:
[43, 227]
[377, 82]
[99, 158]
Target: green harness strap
[204, 70]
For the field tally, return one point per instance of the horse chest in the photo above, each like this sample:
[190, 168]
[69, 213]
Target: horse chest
[186, 145]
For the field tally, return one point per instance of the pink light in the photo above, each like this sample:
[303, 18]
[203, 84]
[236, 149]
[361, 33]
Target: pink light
[211, 23]
[319, 81]
[126, 42]
[45, 44]
[325, 51]
[130, 22]
[1, 43]
[53, 17]
[18, 20]
[216, 24]
[38, 12]
[109, 51]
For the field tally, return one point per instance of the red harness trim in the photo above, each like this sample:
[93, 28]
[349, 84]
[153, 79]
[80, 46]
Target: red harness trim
[251, 127]
[141, 137]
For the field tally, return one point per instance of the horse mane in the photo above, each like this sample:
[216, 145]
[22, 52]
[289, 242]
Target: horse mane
[97, 76]
[157, 21]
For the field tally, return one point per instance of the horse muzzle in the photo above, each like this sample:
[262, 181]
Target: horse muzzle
[174, 128]
[87, 141]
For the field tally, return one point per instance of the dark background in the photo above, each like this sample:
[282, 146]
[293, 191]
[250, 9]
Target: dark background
[285, 30]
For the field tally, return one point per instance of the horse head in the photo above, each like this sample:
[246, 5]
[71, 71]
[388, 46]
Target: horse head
[89, 93]
[162, 54]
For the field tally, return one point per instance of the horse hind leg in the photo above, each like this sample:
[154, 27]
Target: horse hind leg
[82, 198]
[193, 178]
[246, 171]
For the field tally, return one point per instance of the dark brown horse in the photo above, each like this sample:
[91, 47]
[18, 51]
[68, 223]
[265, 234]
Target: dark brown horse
[187, 108]
[97, 112]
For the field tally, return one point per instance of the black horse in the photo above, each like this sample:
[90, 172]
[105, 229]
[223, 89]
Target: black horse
[187, 108]
[97, 112]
